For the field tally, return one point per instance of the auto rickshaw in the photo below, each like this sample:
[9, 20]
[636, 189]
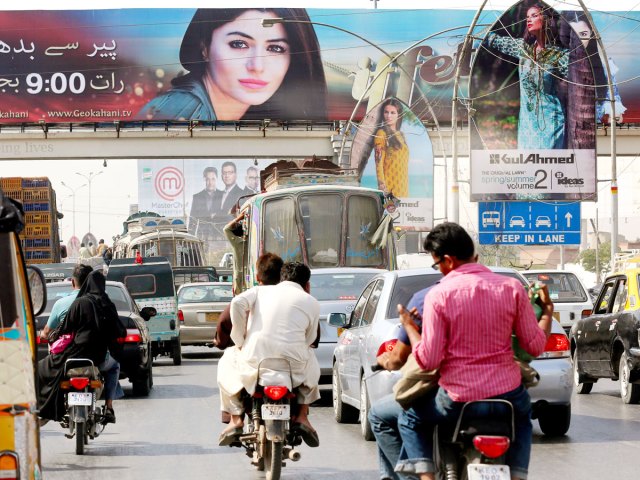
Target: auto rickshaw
[22, 297]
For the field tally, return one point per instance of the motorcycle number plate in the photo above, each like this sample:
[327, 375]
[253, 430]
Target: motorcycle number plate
[488, 472]
[79, 398]
[275, 412]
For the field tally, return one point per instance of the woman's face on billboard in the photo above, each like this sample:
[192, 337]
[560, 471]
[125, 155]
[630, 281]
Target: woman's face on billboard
[583, 31]
[535, 20]
[246, 62]
[390, 115]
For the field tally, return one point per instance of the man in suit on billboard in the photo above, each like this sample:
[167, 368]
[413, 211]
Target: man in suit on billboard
[205, 206]
[231, 193]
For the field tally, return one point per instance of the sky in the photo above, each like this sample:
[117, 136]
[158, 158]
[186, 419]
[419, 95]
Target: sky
[114, 187]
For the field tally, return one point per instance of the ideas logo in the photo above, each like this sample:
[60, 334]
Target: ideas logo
[169, 183]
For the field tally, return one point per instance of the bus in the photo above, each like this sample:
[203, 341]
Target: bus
[156, 236]
[329, 223]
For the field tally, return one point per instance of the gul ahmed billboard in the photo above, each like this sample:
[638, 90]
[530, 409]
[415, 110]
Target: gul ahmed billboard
[533, 89]
[169, 64]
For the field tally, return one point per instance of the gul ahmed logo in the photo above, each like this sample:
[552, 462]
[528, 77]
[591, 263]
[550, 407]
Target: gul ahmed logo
[562, 180]
[535, 158]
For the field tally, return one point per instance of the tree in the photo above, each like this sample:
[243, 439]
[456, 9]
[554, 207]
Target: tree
[497, 255]
[588, 259]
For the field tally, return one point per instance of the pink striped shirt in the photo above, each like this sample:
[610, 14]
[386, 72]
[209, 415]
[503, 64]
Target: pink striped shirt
[466, 332]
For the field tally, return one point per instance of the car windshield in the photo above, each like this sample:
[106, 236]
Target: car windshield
[564, 287]
[55, 292]
[514, 275]
[406, 287]
[205, 293]
[339, 286]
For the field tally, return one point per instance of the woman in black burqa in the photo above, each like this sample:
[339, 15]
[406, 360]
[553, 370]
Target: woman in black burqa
[94, 320]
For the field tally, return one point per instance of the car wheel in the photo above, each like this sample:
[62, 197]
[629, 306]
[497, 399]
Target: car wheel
[176, 353]
[582, 387]
[142, 386]
[630, 392]
[555, 420]
[365, 426]
[342, 412]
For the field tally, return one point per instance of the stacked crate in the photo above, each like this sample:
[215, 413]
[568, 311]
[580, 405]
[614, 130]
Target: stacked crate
[40, 237]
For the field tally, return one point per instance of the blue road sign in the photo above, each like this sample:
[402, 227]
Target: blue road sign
[529, 223]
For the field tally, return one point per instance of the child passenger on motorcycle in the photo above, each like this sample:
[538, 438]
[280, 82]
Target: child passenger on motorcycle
[467, 329]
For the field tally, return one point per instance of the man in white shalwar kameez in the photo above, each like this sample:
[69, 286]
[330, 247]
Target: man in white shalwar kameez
[272, 321]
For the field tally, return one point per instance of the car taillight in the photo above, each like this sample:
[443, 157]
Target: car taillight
[79, 383]
[180, 316]
[586, 313]
[9, 465]
[557, 346]
[346, 297]
[275, 392]
[133, 336]
[387, 346]
[491, 446]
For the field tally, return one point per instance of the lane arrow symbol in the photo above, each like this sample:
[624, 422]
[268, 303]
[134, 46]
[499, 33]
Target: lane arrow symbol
[568, 216]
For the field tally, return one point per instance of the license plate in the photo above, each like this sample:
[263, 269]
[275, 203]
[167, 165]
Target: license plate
[275, 412]
[79, 398]
[488, 472]
[212, 316]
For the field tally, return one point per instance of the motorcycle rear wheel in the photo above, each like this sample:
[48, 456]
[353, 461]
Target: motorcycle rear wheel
[81, 433]
[273, 460]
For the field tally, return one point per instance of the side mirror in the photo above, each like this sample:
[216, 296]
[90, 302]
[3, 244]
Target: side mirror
[338, 320]
[38, 289]
[148, 312]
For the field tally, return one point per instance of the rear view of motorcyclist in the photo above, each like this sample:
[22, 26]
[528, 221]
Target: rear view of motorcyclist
[467, 331]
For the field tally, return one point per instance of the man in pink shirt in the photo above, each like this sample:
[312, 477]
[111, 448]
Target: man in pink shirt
[467, 325]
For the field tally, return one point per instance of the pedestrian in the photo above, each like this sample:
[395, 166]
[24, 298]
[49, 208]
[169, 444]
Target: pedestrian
[101, 248]
[107, 256]
[92, 249]
[84, 252]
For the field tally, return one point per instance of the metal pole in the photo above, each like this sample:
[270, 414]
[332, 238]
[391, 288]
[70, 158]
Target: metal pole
[612, 120]
[455, 186]
[561, 257]
[74, 213]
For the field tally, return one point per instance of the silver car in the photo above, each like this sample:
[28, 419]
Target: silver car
[337, 290]
[199, 306]
[373, 327]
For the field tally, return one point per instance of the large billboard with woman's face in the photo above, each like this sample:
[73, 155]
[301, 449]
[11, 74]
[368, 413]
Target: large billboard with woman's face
[224, 64]
[392, 151]
[533, 90]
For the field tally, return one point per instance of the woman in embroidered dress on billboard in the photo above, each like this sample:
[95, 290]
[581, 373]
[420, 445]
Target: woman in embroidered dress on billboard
[391, 151]
[543, 65]
[239, 69]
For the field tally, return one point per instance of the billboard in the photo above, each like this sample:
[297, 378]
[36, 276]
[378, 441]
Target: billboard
[392, 152]
[533, 93]
[169, 64]
[200, 191]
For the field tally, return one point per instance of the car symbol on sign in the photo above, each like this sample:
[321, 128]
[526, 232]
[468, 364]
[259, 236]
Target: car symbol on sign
[516, 221]
[543, 221]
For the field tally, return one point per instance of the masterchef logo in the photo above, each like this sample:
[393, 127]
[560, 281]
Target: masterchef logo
[169, 183]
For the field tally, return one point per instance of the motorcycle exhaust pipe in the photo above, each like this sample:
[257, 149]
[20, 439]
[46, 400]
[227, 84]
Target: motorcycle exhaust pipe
[293, 455]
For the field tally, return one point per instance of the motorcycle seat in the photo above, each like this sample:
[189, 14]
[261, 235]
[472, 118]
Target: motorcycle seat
[91, 372]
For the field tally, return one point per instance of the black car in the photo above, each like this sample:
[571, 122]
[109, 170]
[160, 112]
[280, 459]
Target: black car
[135, 357]
[606, 344]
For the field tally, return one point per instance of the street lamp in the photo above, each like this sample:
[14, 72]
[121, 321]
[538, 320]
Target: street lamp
[73, 197]
[89, 178]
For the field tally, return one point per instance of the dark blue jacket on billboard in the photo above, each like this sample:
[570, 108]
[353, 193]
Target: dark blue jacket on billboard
[187, 100]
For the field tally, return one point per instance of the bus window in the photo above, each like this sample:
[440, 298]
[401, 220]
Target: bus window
[280, 229]
[322, 224]
[362, 221]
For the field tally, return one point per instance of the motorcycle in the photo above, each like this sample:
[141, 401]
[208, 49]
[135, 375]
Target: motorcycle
[268, 439]
[83, 386]
[475, 447]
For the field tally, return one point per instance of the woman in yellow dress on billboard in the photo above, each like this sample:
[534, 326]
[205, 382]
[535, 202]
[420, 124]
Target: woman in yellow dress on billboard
[391, 151]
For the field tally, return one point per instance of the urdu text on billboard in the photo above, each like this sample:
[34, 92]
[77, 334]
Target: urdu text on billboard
[172, 64]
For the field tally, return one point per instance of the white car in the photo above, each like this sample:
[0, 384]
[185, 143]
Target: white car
[373, 327]
[571, 300]
[337, 290]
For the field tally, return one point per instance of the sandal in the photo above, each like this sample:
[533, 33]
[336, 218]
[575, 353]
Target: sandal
[307, 434]
[229, 437]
